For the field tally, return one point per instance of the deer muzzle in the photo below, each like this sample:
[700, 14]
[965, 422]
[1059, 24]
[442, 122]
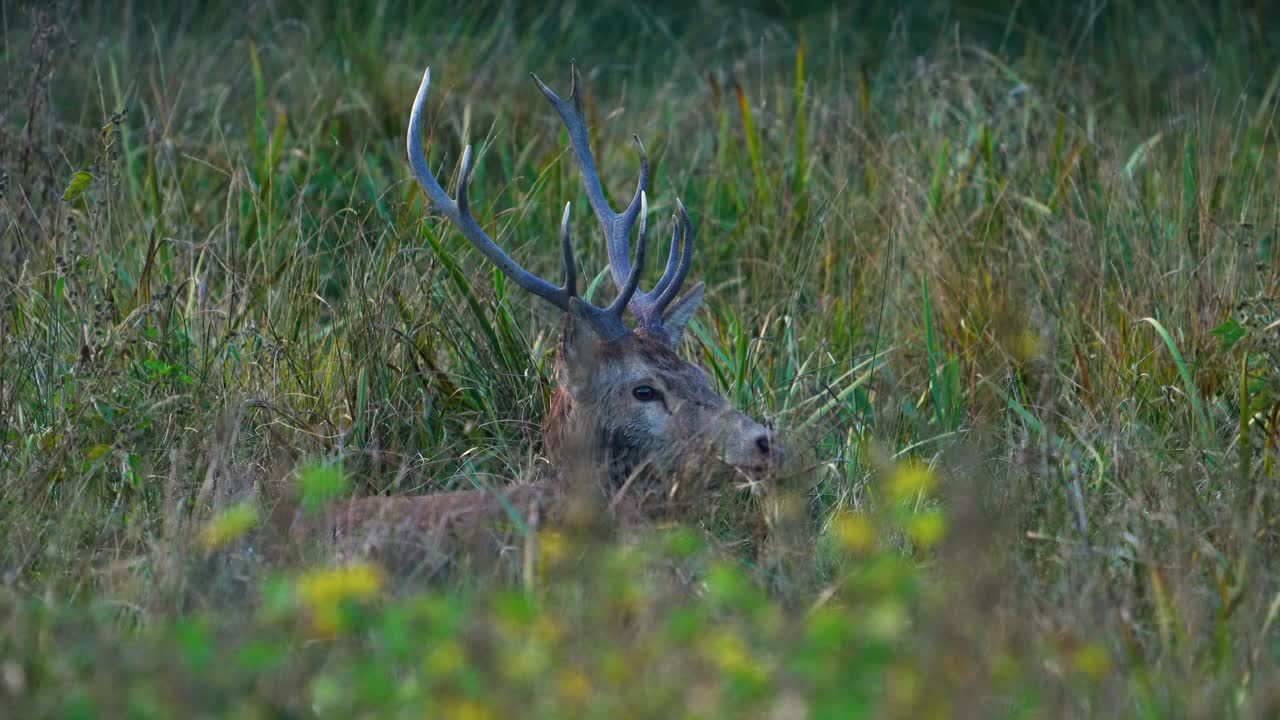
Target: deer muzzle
[750, 446]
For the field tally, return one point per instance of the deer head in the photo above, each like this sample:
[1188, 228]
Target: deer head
[624, 397]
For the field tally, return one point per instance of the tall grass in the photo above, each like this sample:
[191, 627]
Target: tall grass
[1008, 278]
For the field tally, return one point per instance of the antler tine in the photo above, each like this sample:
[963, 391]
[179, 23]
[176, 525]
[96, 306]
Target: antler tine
[633, 278]
[566, 247]
[648, 307]
[666, 293]
[617, 226]
[458, 211]
[673, 257]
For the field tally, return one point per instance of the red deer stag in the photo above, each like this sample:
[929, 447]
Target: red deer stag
[626, 406]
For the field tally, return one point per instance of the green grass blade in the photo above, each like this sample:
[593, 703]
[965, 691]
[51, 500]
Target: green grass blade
[753, 143]
[1203, 422]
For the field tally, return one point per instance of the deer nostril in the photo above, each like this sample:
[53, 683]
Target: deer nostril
[762, 444]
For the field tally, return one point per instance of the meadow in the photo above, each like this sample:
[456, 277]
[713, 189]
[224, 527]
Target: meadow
[1006, 276]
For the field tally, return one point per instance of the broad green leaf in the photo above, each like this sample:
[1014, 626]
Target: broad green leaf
[79, 183]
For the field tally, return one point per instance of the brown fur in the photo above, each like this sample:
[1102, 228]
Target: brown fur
[430, 530]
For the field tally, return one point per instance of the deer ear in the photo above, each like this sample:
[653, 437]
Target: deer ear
[579, 342]
[678, 315]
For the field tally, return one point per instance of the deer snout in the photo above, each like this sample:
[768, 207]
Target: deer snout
[750, 445]
[768, 446]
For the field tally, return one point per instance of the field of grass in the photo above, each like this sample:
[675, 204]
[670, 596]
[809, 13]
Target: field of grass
[1007, 276]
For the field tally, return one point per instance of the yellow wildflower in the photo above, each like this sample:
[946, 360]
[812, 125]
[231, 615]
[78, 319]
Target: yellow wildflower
[553, 547]
[466, 709]
[728, 652]
[926, 529]
[445, 657]
[910, 479]
[324, 591]
[574, 686]
[228, 526]
[1092, 661]
[854, 531]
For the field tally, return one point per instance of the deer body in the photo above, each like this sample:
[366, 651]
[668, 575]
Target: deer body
[628, 412]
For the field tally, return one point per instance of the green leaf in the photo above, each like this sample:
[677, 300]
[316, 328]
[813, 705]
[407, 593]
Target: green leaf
[1229, 333]
[195, 642]
[260, 656]
[79, 183]
[321, 484]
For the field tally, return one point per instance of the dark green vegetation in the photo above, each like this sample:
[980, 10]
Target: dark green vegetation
[1011, 277]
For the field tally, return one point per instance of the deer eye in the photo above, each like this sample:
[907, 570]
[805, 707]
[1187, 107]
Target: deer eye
[644, 393]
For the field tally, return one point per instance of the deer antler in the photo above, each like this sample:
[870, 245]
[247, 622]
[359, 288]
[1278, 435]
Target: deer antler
[607, 321]
[647, 307]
